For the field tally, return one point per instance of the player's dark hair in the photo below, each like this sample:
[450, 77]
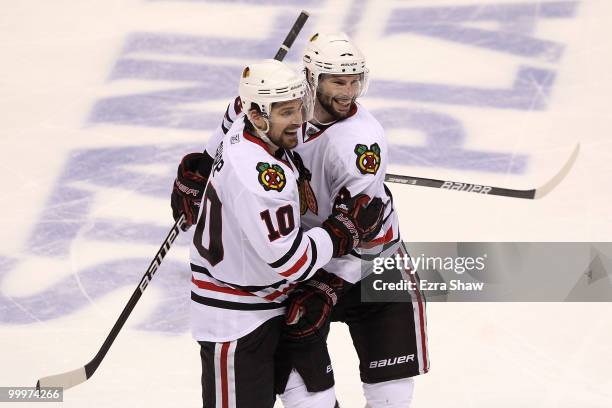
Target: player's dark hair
[248, 125]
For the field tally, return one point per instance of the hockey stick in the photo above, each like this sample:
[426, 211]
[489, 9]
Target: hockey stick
[82, 374]
[75, 377]
[293, 33]
[489, 190]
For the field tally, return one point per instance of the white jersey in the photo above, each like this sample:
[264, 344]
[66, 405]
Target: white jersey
[349, 156]
[248, 249]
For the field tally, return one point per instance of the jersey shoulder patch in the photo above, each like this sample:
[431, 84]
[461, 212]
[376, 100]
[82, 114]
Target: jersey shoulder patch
[271, 176]
[368, 158]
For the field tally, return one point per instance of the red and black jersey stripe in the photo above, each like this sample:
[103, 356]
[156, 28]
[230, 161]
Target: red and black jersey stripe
[250, 289]
[226, 304]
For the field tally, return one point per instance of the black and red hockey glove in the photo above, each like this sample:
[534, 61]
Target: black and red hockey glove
[310, 305]
[352, 221]
[188, 189]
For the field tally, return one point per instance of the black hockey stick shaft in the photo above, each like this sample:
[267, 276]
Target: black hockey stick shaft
[533, 193]
[91, 367]
[455, 185]
[72, 378]
[290, 38]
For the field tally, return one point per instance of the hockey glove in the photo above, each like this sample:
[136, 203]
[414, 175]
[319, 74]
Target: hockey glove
[188, 189]
[310, 305]
[352, 221]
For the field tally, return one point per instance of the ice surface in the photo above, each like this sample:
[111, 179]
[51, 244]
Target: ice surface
[100, 99]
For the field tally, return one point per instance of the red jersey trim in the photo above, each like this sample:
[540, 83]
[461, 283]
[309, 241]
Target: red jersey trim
[216, 288]
[323, 128]
[298, 265]
[263, 145]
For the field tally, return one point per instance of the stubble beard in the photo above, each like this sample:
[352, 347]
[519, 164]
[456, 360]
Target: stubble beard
[327, 106]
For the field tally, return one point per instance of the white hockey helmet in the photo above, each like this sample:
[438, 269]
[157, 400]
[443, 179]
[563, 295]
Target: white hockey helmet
[270, 81]
[334, 54]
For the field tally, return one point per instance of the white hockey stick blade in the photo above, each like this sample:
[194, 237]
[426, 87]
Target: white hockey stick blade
[64, 380]
[554, 182]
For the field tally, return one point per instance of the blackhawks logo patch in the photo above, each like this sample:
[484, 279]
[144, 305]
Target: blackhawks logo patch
[368, 159]
[271, 176]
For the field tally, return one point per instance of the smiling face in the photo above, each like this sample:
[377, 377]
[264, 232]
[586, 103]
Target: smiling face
[286, 118]
[336, 94]
[284, 121]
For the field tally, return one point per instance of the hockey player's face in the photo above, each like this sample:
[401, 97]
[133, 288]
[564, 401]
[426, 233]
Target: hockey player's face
[285, 120]
[337, 93]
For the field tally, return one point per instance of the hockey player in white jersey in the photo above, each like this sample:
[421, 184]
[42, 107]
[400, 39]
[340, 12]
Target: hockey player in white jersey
[249, 249]
[345, 154]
